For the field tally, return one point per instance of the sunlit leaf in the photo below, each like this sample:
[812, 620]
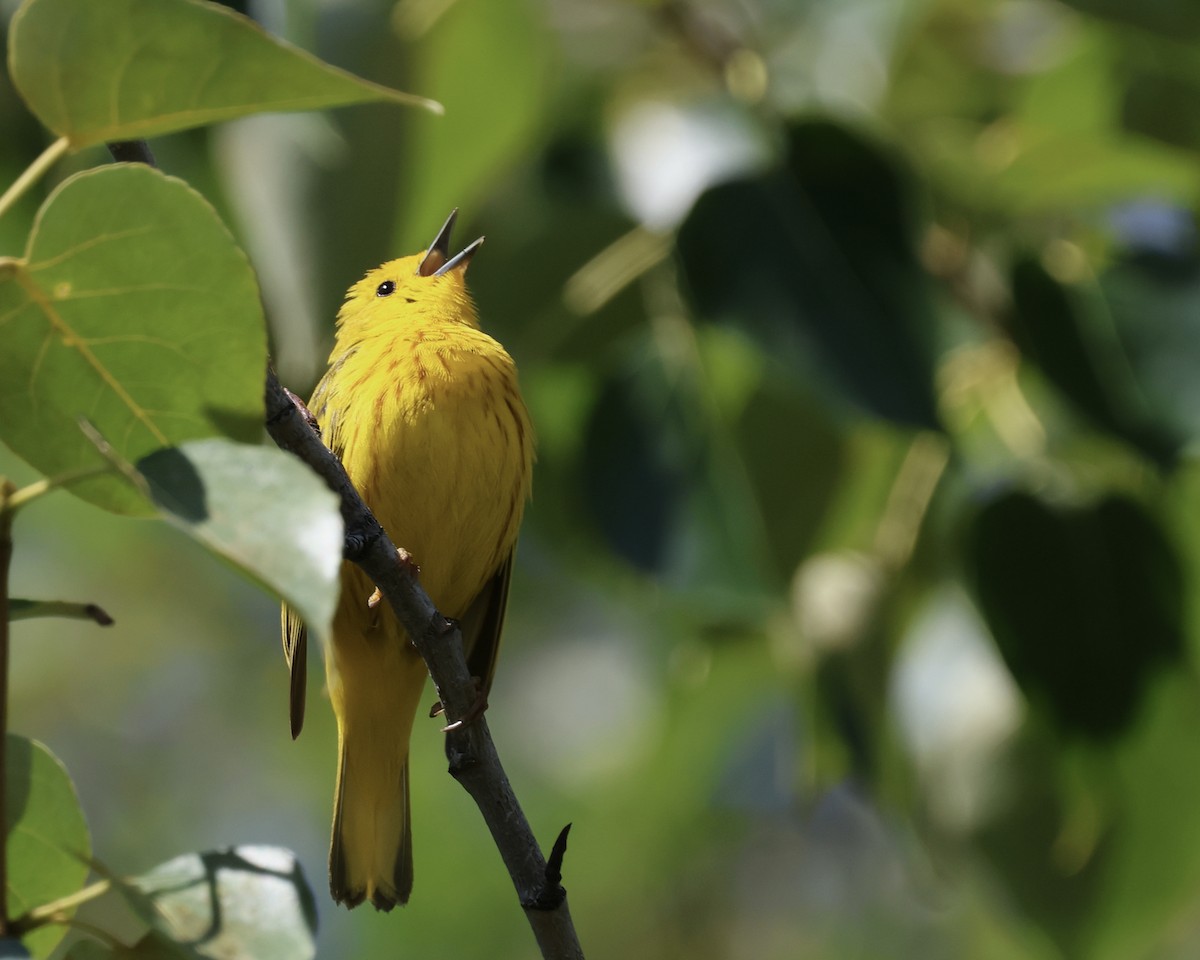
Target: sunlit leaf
[244, 903]
[48, 839]
[126, 69]
[133, 308]
[262, 510]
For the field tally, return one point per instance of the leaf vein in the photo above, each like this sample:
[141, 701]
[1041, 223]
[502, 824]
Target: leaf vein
[88, 245]
[70, 338]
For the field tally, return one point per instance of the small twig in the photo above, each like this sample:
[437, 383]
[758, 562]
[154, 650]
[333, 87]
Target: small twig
[35, 609]
[56, 910]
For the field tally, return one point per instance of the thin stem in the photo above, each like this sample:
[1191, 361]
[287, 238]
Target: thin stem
[7, 489]
[48, 157]
[39, 488]
[53, 912]
[22, 609]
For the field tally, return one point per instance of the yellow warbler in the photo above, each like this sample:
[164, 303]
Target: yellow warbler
[424, 410]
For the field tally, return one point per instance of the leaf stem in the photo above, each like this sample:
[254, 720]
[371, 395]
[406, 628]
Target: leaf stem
[48, 157]
[39, 488]
[55, 910]
[7, 489]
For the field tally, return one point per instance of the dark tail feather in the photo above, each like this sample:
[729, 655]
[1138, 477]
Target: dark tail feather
[351, 875]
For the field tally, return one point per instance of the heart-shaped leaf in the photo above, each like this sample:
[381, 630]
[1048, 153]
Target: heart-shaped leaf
[816, 261]
[134, 308]
[1085, 603]
[48, 843]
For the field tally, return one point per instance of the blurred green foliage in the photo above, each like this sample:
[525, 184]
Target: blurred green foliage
[853, 611]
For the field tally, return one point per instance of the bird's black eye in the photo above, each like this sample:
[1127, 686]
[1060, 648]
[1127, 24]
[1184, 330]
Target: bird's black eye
[385, 289]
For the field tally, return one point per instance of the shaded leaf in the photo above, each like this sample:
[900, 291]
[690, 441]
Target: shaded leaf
[1074, 342]
[89, 950]
[134, 308]
[261, 509]
[250, 902]
[1110, 888]
[1177, 19]
[128, 69]
[1020, 843]
[633, 480]
[1085, 603]
[48, 839]
[1156, 105]
[1154, 300]
[793, 503]
[816, 261]
[153, 946]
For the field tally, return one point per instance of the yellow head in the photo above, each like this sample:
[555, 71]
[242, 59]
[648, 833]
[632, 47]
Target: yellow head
[429, 286]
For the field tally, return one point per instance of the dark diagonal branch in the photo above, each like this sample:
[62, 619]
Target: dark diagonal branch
[474, 762]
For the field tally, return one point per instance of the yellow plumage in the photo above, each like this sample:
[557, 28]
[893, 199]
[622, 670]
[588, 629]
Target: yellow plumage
[424, 410]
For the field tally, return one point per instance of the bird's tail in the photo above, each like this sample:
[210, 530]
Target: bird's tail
[370, 855]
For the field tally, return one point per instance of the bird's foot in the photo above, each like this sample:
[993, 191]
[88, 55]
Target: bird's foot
[474, 712]
[405, 559]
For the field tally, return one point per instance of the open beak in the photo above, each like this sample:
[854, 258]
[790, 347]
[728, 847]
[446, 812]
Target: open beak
[437, 259]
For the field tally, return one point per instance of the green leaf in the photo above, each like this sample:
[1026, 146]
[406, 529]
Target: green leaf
[1176, 19]
[134, 308]
[1085, 603]
[1070, 334]
[1100, 846]
[126, 69]
[48, 841]
[488, 122]
[816, 262]
[153, 946]
[249, 902]
[1154, 300]
[89, 950]
[260, 508]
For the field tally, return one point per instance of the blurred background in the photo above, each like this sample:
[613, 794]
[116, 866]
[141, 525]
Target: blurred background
[852, 614]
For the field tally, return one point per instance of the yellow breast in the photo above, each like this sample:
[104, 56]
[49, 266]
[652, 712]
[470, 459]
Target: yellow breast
[433, 432]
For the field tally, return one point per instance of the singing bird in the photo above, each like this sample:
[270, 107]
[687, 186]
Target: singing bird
[424, 410]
